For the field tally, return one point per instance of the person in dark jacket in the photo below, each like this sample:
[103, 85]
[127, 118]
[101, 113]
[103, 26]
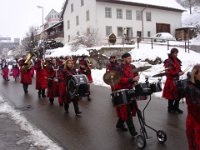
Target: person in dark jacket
[192, 95]
[173, 70]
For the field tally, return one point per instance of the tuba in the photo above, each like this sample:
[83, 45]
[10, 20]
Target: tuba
[27, 64]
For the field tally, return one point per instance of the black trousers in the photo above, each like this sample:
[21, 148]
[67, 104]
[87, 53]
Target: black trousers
[129, 121]
[41, 92]
[25, 87]
[75, 104]
[173, 104]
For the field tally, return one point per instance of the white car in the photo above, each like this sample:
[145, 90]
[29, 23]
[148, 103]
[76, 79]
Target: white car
[163, 37]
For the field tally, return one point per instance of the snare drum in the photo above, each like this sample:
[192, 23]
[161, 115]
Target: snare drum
[120, 97]
[78, 85]
[181, 87]
[143, 89]
[155, 87]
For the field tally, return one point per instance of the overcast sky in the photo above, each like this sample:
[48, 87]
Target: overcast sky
[17, 16]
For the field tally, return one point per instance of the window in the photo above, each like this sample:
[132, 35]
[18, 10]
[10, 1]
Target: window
[77, 20]
[108, 30]
[129, 14]
[82, 2]
[72, 8]
[120, 31]
[128, 32]
[108, 12]
[149, 33]
[138, 15]
[68, 24]
[87, 15]
[148, 16]
[68, 38]
[88, 30]
[119, 14]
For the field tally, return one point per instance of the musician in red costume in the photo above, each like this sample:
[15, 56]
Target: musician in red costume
[70, 71]
[62, 84]
[52, 74]
[192, 95]
[84, 68]
[15, 70]
[128, 81]
[113, 65]
[5, 71]
[25, 75]
[173, 70]
[41, 77]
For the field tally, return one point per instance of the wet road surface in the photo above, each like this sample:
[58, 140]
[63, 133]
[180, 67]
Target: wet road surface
[95, 129]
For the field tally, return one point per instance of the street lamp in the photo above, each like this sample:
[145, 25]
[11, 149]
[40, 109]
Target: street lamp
[42, 15]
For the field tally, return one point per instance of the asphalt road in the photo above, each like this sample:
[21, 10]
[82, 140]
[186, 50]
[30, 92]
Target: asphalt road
[95, 129]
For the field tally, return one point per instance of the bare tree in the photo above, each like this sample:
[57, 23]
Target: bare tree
[31, 40]
[87, 39]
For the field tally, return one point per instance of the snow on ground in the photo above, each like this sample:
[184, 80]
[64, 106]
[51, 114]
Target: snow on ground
[145, 51]
[36, 136]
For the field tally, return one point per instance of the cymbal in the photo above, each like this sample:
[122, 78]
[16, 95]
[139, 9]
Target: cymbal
[160, 74]
[112, 77]
[140, 69]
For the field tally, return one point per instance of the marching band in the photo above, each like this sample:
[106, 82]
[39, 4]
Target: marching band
[57, 77]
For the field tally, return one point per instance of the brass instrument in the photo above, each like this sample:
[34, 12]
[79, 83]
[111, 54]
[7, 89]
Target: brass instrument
[27, 64]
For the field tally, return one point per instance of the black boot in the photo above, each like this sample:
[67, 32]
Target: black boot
[176, 107]
[170, 106]
[131, 126]
[66, 107]
[51, 100]
[43, 93]
[120, 125]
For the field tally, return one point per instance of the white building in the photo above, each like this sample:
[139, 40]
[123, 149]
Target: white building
[134, 18]
[52, 18]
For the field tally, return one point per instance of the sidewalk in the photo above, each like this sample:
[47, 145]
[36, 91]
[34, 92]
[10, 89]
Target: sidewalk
[17, 133]
[12, 137]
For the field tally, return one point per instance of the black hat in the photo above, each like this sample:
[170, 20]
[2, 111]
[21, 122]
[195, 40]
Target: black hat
[174, 50]
[125, 55]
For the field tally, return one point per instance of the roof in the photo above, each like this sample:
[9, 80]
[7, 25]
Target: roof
[160, 4]
[64, 8]
[52, 10]
[54, 26]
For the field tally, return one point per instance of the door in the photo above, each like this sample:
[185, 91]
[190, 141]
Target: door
[162, 27]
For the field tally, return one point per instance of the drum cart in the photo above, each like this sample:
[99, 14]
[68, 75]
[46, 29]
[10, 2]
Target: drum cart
[141, 92]
[78, 86]
[143, 136]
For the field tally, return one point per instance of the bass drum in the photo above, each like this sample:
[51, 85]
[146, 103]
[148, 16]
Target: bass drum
[77, 85]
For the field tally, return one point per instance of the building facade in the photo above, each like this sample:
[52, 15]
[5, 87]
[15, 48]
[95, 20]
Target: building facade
[124, 18]
[52, 18]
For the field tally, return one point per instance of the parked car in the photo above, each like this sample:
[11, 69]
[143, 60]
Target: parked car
[163, 37]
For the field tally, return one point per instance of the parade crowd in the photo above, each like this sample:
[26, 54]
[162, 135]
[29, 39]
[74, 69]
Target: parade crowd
[54, 78]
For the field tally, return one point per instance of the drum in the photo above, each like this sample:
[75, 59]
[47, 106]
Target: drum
[155, 87]
[181, 87]
[143, 89]
[120, 97]
[77, 85]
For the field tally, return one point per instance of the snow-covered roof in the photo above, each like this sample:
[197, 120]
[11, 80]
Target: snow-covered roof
[170, 4]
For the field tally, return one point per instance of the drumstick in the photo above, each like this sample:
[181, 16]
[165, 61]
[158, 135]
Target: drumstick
[187, 68]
